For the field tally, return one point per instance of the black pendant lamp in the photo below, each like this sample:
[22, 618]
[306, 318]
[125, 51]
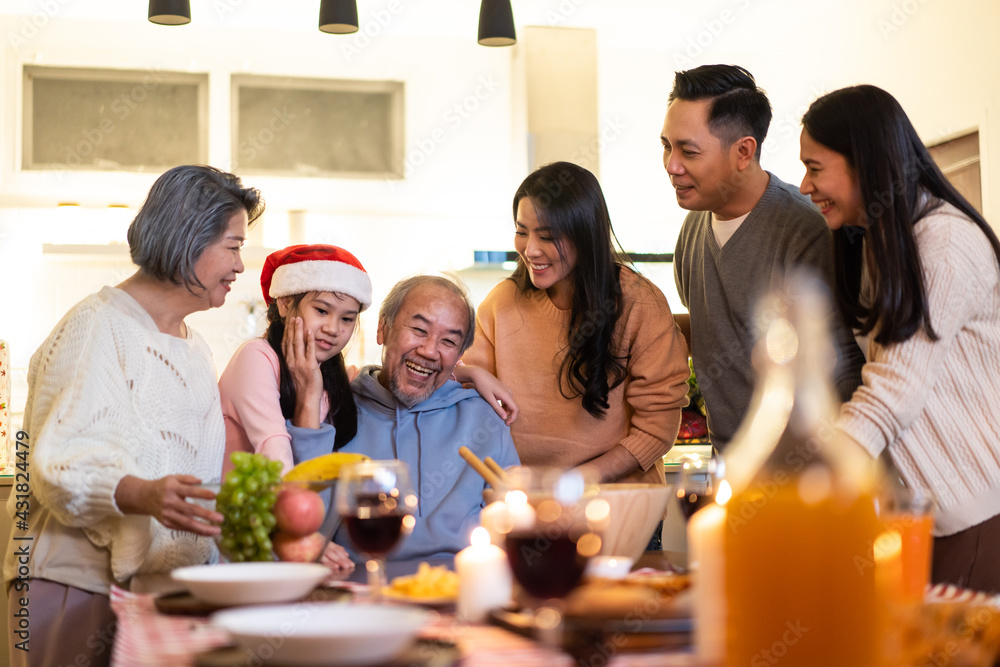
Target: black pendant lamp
[496, 23]
[339, 17]
[170, 12]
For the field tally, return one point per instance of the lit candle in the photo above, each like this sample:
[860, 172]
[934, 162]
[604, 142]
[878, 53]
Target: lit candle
[520, 513]
[495, 519]
[609, 567]
[706, 534]
[484, 578]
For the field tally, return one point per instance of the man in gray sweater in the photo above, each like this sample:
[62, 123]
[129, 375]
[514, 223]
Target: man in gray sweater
[746, 229]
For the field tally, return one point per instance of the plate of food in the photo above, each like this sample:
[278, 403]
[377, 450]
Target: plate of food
[430, 586]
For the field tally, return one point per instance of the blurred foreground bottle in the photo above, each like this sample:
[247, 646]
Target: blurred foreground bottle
[799, 569]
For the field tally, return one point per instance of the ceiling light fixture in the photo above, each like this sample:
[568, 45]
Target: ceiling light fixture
[339, 17]
[496, 23]
[170, 12]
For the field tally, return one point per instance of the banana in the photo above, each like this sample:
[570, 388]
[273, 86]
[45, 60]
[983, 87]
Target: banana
[323, 468]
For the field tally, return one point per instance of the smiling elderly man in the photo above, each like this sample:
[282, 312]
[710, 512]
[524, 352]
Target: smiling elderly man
[411, 409]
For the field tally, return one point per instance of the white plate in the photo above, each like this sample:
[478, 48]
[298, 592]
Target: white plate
[229, 584]
[324, 633]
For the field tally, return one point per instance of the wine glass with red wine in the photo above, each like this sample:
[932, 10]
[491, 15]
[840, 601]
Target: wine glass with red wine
[377, 502]
[552, 538]
[697, 484]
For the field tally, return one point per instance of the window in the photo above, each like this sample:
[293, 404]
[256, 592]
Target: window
[315, 127]
[113, 120]
[958, 158]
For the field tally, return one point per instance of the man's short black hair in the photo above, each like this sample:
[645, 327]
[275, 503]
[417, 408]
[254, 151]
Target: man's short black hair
[739, 107]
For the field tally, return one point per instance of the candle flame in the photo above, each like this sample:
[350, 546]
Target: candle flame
[480, 538]
[724, 493]
[516, 498]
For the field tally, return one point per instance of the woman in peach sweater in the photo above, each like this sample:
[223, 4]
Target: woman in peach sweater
[588, 346]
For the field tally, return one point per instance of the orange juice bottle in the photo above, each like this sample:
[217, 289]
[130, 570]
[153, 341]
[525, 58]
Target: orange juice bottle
[799, 563]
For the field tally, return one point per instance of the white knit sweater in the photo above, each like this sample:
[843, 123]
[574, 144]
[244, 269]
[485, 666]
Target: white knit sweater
[110, 395]
[936, 404]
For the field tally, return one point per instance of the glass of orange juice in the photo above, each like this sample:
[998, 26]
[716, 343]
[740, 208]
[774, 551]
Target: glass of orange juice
[910, 516]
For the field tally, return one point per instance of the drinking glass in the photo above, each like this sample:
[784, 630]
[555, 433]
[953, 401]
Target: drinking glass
[903, 548]
[554, 532]
[377, 502]
[697, 483]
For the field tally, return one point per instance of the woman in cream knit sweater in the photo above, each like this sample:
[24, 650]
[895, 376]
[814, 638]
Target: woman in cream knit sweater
[917, 274]
[122, 423]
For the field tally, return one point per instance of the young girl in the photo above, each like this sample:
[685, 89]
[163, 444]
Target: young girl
[589, 339]
[917, 277]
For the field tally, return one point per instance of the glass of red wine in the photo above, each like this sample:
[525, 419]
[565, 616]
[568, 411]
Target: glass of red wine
[554, 532]
[698, 483]
[377, 502]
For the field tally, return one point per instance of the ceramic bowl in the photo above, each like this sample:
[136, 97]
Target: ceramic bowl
[230, 584]
[332, 634]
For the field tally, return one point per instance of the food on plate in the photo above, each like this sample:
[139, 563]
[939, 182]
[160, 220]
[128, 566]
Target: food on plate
[429, 582]
[299, 511]
[298, 548]
[659, 595]
[323, 468]
[245, 501]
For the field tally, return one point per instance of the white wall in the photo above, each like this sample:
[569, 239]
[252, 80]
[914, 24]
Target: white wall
[941, 59]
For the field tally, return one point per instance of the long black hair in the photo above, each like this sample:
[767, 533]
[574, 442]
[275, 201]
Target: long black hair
[343, 413]
[896, 174]
[569, 203]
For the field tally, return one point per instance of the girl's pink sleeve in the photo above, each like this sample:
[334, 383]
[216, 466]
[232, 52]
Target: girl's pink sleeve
[250, 400]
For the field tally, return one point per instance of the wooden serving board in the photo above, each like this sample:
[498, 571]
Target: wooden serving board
[424, 653]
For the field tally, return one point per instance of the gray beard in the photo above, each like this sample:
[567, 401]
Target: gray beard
[404, 399]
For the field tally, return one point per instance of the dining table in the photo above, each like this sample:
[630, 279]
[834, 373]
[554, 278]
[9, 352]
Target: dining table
[151, 634]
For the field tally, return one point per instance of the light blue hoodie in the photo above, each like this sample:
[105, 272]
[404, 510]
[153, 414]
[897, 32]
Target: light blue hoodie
[426, 436]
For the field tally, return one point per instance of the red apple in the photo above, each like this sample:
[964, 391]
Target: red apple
[299, 511]
[296, 548]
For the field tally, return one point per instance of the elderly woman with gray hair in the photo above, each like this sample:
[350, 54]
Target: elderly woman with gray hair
[123, 422]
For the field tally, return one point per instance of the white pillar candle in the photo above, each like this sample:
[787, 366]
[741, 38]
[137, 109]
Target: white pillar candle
[609, 567]
[706, 533]
[496, 520]
[520, 513]
[484, 577]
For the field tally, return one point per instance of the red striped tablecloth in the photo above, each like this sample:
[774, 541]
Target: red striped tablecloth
[147, 638]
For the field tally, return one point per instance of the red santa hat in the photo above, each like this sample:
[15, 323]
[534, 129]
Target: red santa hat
[315, 268]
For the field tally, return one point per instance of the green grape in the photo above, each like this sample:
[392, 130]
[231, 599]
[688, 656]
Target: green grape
[245, 501]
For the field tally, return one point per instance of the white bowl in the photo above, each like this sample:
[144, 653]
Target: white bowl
[229, 584]
[324, 633]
